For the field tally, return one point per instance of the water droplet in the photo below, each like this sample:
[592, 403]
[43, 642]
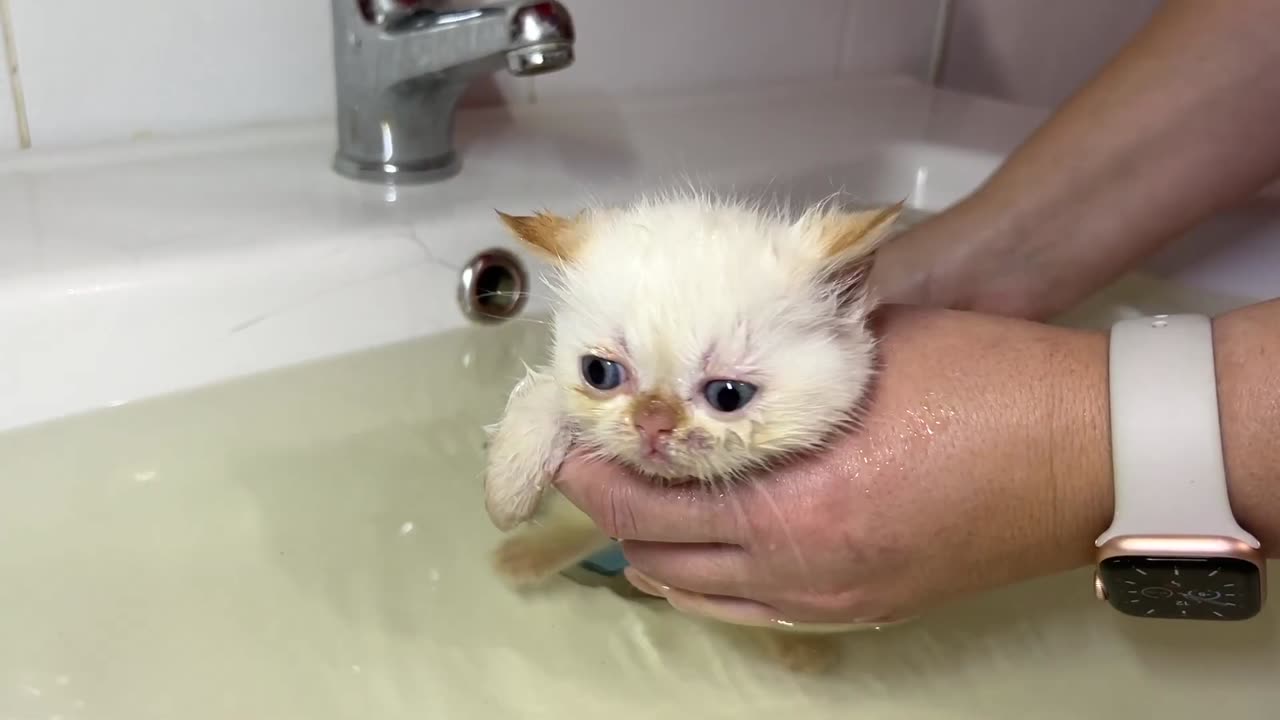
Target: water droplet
[355, 669]
[143, 476]
[433, 575]
[406, 528]
[33, 691]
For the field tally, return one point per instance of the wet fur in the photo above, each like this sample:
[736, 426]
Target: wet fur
[680, 290]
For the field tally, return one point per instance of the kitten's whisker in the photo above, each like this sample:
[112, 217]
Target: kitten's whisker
[500, 293]
[530, 320]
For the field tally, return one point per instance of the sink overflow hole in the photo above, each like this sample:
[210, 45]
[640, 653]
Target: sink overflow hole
[492, 287]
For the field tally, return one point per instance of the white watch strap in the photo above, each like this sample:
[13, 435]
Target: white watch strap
[1166, 442]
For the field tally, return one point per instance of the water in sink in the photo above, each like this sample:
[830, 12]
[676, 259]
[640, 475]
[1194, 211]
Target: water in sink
[311, 544]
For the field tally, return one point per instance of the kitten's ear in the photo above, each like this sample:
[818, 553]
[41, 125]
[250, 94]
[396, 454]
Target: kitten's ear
[553, 237]
[845, 244]
[850, 239]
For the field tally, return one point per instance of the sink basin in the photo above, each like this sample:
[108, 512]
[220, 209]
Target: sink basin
[240, 434]
[136, 270]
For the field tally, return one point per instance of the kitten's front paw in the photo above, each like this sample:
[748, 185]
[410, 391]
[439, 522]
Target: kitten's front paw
[538, 552]
[525, 450]
[805, 653]
[509, 509]
[521, 561]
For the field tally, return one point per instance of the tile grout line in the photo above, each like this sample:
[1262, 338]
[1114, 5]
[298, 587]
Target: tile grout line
[846, 17]
[938, 43]
[15, 81]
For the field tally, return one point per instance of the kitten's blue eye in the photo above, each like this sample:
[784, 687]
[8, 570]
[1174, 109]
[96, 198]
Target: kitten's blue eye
[728, 395]
[602, 374]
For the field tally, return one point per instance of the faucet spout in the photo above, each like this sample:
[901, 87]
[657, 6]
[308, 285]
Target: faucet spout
[402, 65]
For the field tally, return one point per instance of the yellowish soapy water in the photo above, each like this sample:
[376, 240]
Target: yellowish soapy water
[312, 544]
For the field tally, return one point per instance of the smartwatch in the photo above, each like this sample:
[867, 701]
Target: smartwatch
[1174, 549]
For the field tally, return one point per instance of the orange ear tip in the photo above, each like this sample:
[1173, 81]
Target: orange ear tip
[513, 222]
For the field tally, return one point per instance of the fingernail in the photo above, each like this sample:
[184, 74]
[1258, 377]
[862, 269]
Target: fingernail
[734, 611]
[646, 584]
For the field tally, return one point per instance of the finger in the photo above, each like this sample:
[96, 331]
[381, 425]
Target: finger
[644, 583]
[705, 568]
[737, 611]
[732, 610]
[628, 507]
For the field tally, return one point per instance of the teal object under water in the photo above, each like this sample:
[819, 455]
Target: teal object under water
[609, 561]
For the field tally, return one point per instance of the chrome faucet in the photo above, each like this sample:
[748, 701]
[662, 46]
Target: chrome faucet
[402, 65]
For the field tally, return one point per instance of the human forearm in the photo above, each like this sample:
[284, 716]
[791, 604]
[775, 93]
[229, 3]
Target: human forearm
[1181, 124]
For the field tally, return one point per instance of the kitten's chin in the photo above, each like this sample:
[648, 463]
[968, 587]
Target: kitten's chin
[661, 468]
[655, 464]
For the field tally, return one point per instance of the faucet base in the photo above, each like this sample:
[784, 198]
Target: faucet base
[431, 170]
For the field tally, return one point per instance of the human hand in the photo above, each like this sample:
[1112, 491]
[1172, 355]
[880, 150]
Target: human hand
[970, 256]
[982, 460]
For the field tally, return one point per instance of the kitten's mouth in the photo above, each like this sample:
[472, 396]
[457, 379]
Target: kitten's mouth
[658, 462]
[657, 453]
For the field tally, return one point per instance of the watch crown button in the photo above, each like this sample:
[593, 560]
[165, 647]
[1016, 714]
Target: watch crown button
[1098, 588]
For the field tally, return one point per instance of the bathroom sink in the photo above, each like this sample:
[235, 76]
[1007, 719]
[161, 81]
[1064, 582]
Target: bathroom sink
[136, 270]
[240, 433]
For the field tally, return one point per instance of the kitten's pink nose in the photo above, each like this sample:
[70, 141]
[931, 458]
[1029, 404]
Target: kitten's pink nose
[655, 417]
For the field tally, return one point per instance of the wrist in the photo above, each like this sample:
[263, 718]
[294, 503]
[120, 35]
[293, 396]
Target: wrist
[1249, 412]
[1005, 423]
[1078, 429]
[1041, 426]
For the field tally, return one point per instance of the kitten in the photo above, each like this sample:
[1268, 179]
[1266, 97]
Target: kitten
[695, 339]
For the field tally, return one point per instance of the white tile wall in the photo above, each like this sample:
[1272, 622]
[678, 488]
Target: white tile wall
[657, 45]
[113, 70]
[1036, 52]
[107, 71]
[889, 36]
[8, 117]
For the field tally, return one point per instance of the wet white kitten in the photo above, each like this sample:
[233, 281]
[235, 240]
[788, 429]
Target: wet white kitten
[695, 339]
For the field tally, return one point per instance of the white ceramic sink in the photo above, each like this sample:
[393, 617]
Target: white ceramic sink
[147, 268]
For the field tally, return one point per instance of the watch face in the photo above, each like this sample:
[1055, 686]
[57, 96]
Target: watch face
[1186, 588]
